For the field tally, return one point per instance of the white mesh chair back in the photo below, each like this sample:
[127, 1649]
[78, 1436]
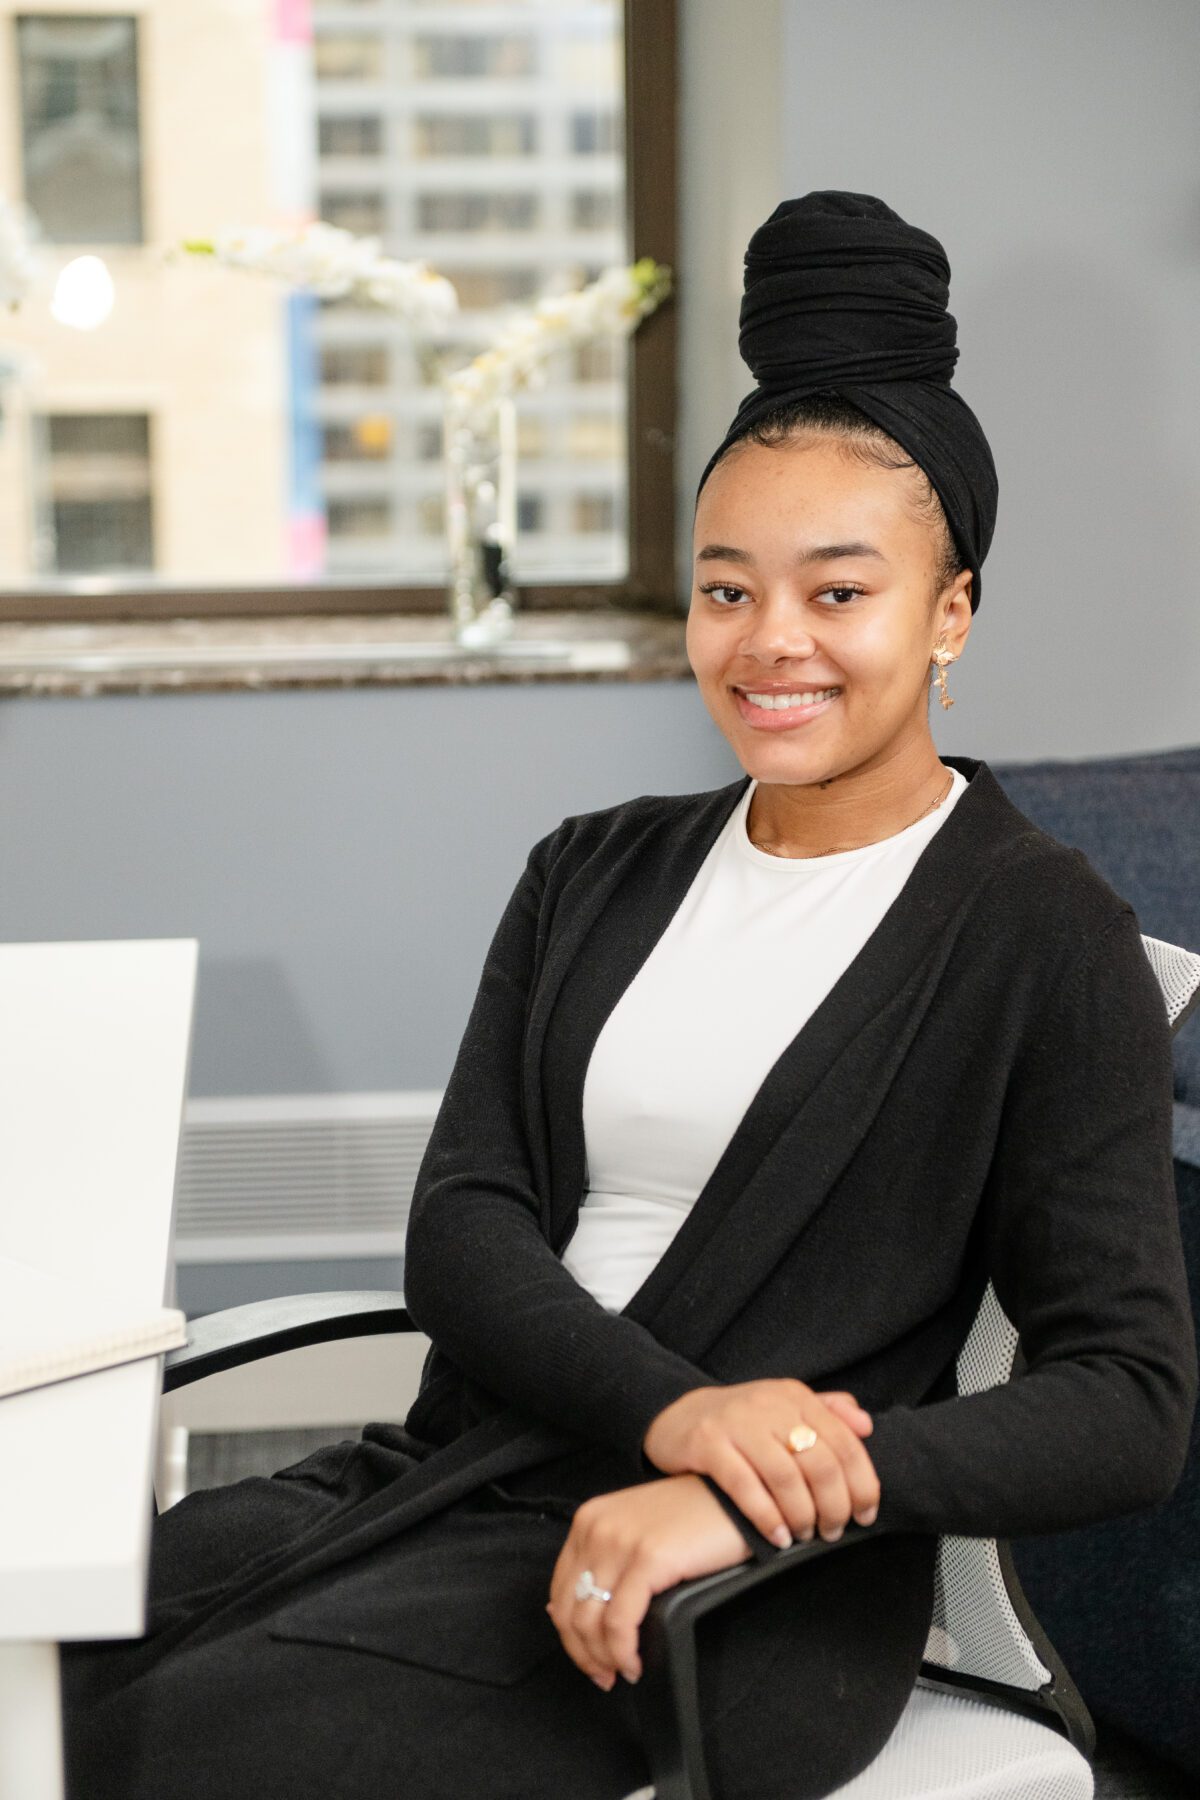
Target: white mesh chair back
[976, 1630]
[1178, 973]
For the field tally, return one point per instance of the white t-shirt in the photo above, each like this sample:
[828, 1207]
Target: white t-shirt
[754, 947]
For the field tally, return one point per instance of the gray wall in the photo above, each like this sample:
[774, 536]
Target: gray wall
[1055, 151]
[343, 855]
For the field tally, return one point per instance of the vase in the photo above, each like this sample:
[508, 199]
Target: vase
[480, 451]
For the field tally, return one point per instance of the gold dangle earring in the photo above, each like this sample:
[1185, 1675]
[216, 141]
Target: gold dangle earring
[941, 657]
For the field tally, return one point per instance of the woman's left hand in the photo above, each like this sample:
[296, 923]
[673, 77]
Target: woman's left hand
[635, 1543]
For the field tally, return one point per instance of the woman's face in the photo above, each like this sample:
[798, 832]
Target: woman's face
[811, 571]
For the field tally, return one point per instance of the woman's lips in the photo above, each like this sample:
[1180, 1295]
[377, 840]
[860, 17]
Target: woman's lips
[780, 718]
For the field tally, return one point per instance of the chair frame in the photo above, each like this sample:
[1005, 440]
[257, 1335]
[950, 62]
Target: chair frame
[667, 1696]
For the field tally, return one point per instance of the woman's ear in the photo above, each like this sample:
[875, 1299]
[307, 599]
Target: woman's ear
[954, 616]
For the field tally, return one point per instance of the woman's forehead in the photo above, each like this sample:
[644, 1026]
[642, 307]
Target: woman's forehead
[798, 500]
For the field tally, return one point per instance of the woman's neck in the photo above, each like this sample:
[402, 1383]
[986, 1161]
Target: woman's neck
[844, 812]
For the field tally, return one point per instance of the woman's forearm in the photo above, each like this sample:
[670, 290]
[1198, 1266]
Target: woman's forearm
[484, 1285]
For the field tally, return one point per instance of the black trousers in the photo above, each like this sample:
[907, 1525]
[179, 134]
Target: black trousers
[428, 1670]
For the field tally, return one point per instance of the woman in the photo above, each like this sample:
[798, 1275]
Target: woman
[760, 1087]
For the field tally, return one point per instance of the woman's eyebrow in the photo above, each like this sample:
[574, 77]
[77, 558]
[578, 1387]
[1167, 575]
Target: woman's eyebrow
[816, 553]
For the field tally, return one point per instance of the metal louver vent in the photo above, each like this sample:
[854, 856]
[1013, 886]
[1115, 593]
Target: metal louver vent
[282, 1177]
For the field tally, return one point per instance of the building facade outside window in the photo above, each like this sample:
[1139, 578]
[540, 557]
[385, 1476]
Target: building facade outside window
[309, 428]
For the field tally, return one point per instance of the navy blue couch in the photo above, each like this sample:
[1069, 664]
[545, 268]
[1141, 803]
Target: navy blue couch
[1121, 1601]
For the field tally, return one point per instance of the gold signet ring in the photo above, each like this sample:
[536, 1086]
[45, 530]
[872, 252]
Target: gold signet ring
[801, 1437]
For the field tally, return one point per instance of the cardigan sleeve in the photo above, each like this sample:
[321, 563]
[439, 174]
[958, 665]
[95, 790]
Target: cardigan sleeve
[1082, 1237]
[479, 1276]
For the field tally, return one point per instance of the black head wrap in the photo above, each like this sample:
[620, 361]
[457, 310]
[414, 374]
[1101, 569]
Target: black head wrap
[842, 296]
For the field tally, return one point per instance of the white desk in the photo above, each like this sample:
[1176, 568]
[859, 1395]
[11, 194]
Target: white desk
[95, 1047]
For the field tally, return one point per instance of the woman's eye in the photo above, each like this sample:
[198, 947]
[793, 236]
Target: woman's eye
[718, 588]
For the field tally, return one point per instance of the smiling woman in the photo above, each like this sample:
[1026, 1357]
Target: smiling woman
[760, 1088]
[814, 657]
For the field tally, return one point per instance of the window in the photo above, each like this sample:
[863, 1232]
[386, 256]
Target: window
[353, 136]
[593, 133]
[502, 57]
[530, 512]
[359, 518]
[478, 288]
[598, 361]
[460, 350]
[518, 148]
[368, 439]
[348, 57]
[475, 134]
[431, 515]
[593, 512]
[593, 435]
[477, 212]
[591, 211]
[531, 435]
[359, 210]
[97, 511]
[428, 440]
[80, 145]
[354, 365]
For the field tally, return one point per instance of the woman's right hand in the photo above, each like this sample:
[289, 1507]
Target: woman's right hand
[738, 1436]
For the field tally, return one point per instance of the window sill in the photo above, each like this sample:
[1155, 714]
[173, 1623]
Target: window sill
[365, 650]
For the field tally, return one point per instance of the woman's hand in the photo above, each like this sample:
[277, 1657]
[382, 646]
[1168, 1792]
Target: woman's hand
[634, 1544]
[738, 1436]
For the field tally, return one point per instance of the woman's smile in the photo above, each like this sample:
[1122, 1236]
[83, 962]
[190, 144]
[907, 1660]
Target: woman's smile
[768, 709]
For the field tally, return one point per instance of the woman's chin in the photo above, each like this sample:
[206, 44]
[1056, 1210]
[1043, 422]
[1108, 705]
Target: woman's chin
[783, 755]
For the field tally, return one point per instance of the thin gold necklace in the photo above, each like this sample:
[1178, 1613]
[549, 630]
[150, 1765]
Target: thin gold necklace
[838, 848]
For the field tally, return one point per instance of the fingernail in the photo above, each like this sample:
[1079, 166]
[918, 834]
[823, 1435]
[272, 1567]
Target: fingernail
[781, 1536]
[806, 1536]
[604, 1683]
[869, 1516]
[832, 1536]
[630, 1675]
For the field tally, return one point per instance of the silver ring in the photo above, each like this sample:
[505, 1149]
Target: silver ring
[586, 1589]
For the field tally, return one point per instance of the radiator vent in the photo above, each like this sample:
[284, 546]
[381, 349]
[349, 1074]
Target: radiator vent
[299, 1176]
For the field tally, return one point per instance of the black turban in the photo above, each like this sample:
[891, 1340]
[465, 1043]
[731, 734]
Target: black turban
[842, 296]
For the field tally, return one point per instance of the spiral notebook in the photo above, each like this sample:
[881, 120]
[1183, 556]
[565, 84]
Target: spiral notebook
[53, 1328]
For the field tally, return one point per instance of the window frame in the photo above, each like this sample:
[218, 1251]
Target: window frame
[651, 83]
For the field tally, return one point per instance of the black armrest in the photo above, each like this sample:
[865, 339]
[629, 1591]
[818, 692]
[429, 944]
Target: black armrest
[667, 1696]
[243, 1334]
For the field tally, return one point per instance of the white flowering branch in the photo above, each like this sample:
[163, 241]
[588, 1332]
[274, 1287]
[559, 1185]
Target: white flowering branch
[334, 263]
[613, 304]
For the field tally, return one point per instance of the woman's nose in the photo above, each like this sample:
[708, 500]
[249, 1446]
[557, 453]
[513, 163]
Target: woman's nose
[775, 630]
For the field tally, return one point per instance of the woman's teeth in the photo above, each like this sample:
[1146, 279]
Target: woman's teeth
[778, 701]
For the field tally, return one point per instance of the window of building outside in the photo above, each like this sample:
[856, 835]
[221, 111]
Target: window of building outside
[350, 136]
[208, 431]
[98, 500]
[79, 115]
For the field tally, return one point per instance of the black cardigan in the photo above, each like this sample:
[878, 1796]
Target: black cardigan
[985, 1091]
